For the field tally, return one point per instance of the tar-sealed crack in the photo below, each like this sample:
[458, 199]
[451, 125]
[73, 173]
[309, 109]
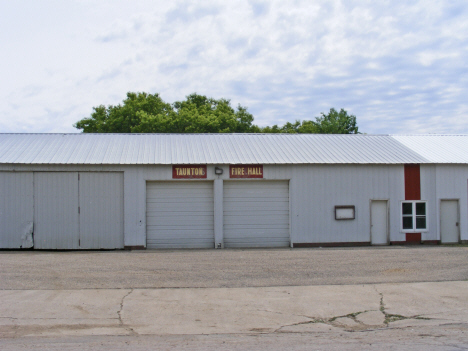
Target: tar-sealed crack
[119, 313]
[359, 325]
[389, 318]
[332, 322]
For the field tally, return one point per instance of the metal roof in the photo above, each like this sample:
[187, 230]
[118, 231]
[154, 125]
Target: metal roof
[81, 148]
[437, 148]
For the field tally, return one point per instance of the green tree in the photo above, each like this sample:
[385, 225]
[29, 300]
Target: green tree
[332, 123]
[289, 128]
[146, 113]
[200, 114]
[127, 117]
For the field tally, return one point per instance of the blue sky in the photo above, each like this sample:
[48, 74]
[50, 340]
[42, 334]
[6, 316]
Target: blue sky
[399, 66]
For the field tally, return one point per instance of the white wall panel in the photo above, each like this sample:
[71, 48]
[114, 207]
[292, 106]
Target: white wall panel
[317, 189]
[101, 210]
[56, 219]
[16, 210]
[314, 191]
[428, 193]
[451, 183]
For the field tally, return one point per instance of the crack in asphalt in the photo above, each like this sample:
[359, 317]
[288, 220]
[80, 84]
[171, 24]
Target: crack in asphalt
[119, 313]
[389, 318]
[361, 326]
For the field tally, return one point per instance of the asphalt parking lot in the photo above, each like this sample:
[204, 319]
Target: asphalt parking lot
[231, 268]
[373, 298]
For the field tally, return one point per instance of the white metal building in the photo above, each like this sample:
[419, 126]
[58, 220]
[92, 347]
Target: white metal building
[114, 191]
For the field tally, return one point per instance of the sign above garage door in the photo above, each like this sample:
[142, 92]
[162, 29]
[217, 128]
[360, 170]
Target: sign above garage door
[188, 171]
[246, 171]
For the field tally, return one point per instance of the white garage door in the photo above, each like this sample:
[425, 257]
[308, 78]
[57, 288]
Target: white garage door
[256, 213]
[179, 215]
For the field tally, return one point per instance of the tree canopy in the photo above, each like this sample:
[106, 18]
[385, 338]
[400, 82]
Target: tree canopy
[333, 122]
[148, 113]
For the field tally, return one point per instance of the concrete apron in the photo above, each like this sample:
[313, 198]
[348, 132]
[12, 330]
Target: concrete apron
[230, 311]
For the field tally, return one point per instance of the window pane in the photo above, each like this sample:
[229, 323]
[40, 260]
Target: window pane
[407, 208]
[407, 222]
[420, 222]
[420, 208]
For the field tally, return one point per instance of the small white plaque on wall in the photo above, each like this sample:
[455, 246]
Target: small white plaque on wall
[345, 212]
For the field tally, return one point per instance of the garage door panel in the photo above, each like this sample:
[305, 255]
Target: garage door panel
[265, 236]
[241, 206]
[254, 196]
[273, 230]
[255, 202]
[56, 218]
[256, 220]
[78, 210]
[170, 216]
[177, 198]
[179, 215]
[265, 184]
[194, 243]
[256, 214]
[250, 241]
[262, 213]
[194, 234]
[101, 210]
[169, 193]
[171, 222]
[16, 210]
[170, 207]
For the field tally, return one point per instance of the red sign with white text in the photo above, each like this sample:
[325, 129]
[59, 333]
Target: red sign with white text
[246, 171]
[188, 171]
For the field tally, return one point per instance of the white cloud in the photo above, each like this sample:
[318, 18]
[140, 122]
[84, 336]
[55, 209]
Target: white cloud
[397, 67]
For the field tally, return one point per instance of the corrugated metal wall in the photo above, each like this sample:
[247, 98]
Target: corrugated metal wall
[78, 210]
[314, 191]
[429, 193]
[16, 210]
[56, 218]
[439, 182]
[42, 209]
[101, 210]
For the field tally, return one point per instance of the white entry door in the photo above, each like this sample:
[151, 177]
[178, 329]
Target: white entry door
[379, 222]
[449, 226]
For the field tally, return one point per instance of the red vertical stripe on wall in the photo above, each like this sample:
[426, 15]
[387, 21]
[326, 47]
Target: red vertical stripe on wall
[412, 182]
[412, 192]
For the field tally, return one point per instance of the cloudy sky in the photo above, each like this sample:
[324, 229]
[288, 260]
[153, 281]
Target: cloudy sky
[399, 66]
